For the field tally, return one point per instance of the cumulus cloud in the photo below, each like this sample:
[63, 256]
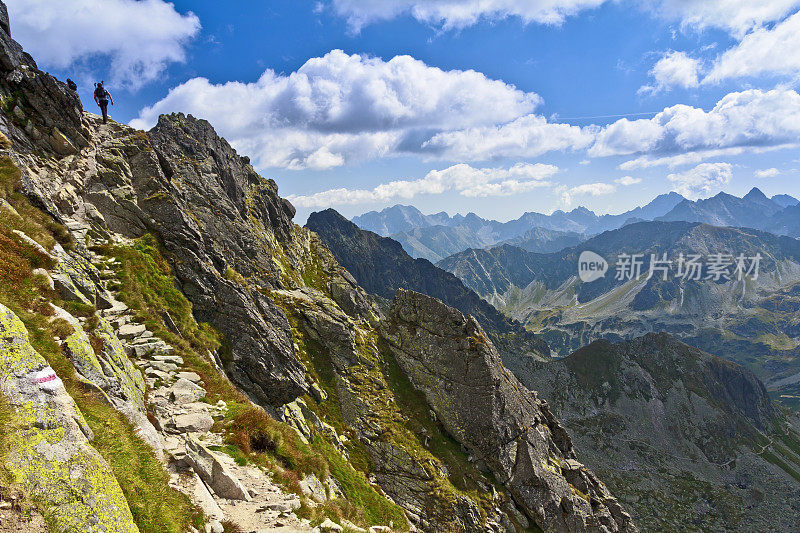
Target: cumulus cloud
[750, 118]
[568, 194]
[674, 69]
[462, 178]
[628, 180]
[140, 38]
[458, 14]
[341, 107]
[767, 173]
[774, 51]
[527, 136]
[701, 180]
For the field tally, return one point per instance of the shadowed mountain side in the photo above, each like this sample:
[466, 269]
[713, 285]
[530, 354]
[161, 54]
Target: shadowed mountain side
[686, 440]
[381, 266]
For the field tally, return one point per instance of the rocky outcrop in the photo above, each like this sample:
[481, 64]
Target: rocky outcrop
[681, 437]
[41, 112]
[505, 426]
[51, 456]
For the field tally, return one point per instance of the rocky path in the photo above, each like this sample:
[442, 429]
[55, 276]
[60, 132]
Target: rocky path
[243, 496]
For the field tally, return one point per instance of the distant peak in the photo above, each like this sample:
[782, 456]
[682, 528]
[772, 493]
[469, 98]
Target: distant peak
[755, 194]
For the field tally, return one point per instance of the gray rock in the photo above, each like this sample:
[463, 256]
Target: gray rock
[483, 406]
[51, 455]
[313, 488]
[129, 331]
[190, 376]
[165, 358]
[329, 525]
[212, 471]
[191, 423]
[184, 391]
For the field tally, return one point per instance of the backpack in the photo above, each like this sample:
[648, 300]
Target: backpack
[101, 93]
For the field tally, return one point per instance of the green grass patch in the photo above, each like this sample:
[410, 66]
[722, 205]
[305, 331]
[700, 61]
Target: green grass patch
[780, 463]
[366, 505]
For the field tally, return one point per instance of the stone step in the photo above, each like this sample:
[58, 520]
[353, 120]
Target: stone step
[118, 308]
[144, 338]
[129, 331]
[167, 358]
[137, 351]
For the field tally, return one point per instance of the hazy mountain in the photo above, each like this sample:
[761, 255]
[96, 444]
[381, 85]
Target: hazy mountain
[755, 322]
[435, 237]
[398, 218]
[543, 240]
[785, 222]
[750, 211]
[688, 441]
[381, 266]
[434, 243]
[784, 200]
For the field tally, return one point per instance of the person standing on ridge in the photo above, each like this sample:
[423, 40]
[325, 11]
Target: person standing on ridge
[72, 85]
[102, 97]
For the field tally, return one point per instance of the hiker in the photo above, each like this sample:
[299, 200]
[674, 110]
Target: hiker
[72, 85]
[102, 97]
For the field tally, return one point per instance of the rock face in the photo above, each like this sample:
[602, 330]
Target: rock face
[505, 426]
[51, 455]
[44, 113]
[684, 439]
[381, 266]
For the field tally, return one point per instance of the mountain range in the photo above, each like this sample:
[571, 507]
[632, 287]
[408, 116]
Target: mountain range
[753, 320]
[435, 237]
[679, 434]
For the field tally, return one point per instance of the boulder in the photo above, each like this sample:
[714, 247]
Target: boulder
[51, 457]
[329, 525]
[213, 472]
[184, 391]
[191, 423]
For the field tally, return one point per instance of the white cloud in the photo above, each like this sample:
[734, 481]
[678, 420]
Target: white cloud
[674, 69]
[767, 173]
[628, 180]
[140, 38]
[527, 136]
[752, 118]
[734, 16]
[773, 51]
[341, 107]
[462, 178]
[458, 14]
[701, 180]
[587, 189]
[692, 158]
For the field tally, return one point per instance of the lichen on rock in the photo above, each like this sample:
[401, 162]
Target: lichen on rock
[51, 457]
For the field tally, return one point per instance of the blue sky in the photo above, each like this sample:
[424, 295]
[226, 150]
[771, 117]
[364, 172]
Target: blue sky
[456, 106]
